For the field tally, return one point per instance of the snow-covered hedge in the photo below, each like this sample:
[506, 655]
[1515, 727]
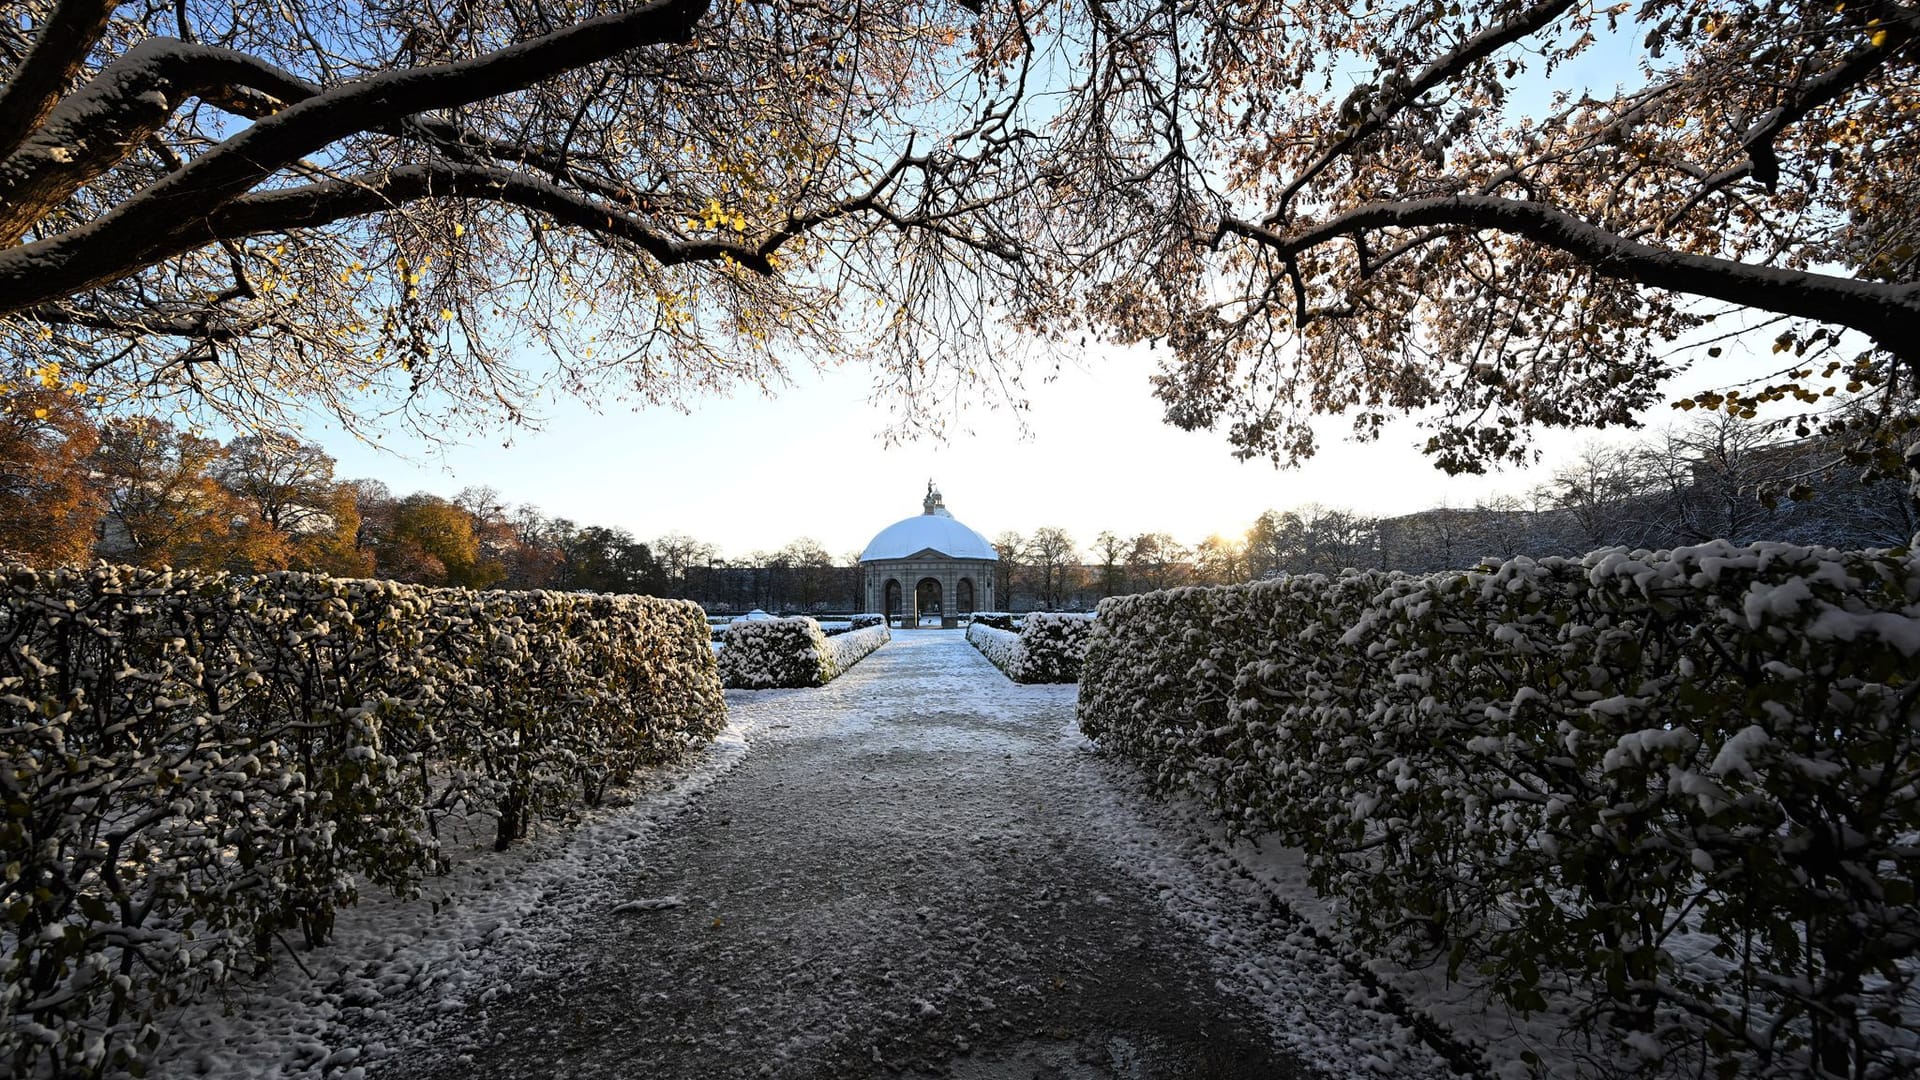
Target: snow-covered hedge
[193, 765]
[999, 620]
[769, 653]
[1048, 649]
[1686, 781]
[1054, 645]
[852, 647]
[868, 618]
[1000, 646]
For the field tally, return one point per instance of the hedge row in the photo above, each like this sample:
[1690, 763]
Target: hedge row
[1002, 647]
[1049, 648]
[1687, 781]
[194, 765]
[852, 647]
[764, 654]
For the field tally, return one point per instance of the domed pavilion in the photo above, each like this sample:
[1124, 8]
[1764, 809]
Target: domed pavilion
[929, 564]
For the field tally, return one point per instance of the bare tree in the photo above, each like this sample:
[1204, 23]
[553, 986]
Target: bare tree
[1053, 562]
[1219, 561]
[811, 571]
[1112, 551]
[679, 553]
[1158, 561]
[1012, 549]
[287, 483]
[1600, 491]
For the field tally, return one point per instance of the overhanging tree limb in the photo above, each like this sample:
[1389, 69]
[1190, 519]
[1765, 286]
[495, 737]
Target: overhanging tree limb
[1442, 71]
[95, 128]
[1887, 313]
[1815, 92]
[43, 76]
[139, 230]
[312, 205]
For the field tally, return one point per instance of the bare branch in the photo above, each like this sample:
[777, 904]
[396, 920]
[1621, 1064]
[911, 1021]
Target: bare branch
[1885, 312]
[1441, 71]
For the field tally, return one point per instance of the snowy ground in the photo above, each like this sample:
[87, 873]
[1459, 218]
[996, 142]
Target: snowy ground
[920, 866]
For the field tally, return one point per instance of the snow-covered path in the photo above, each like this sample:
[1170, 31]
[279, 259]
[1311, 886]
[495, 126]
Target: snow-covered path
[919, 867]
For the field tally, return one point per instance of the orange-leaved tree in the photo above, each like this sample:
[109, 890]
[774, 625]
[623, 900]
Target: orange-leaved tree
[48, 506]
[165, 506]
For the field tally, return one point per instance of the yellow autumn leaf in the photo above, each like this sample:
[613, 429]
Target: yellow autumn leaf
[447, 314]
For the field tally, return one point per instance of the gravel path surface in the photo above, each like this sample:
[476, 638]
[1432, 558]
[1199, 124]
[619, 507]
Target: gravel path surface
[900, 876]
[919, 869]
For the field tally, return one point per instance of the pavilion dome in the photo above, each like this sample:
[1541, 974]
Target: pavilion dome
[934, 529]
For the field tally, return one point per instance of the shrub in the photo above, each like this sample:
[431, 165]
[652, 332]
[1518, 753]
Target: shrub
[868, 618]
[1054, 645]
[1558, 770]
[852, 647]
[1002, 647]
[1048, 649]
[194, 764]
[999, 620]
[769, 653]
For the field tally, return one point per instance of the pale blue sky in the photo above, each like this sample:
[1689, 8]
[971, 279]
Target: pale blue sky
[752, 473]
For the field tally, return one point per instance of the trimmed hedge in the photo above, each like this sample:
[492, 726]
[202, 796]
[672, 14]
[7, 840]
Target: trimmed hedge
[194, 764]
[1049, 648]
[1687, 781]
[765, 654]
[1002, 647]
[852, 647]
[1054, 645]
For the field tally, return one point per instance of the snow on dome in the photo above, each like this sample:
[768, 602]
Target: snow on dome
[934, 529]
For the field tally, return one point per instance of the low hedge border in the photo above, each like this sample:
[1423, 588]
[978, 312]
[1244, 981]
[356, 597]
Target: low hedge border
[767, 654]
[855, 645]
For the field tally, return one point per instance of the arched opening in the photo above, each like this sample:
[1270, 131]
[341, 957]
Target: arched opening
[926, 597]
[963, 596]
[890, 604]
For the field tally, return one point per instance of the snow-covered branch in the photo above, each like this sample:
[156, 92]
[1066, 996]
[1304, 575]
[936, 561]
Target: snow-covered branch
[95, 128]
[1886, 312]
[150, 225]
[1374, 116]
[56, 57]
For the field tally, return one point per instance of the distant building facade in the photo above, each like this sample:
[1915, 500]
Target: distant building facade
[929, 564]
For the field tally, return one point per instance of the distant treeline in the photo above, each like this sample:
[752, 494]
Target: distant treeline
[1723, 478]
[145, 492]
